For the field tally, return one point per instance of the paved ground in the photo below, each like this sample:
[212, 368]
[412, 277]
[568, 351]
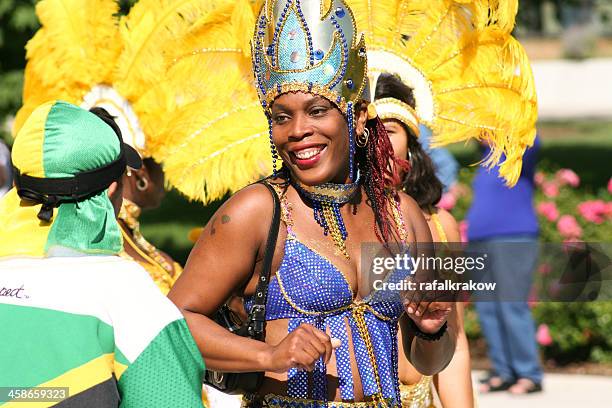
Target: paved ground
[560, 391]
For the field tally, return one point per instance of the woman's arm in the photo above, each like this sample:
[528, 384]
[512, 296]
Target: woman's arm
[225, 260]
[428, 357]
[454, 383]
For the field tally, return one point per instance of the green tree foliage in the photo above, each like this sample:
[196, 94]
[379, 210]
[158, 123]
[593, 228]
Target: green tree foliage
[18, 23]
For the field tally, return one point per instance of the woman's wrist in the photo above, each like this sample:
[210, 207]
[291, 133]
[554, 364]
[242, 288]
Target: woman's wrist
[428, 335]
[264, 357]
[431, 357]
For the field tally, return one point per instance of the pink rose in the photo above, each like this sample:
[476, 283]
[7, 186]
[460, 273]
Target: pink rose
[567, 177]
[610, 185]
[545, 269]
[448, 201]
[463, 227]
[550, 189]
[568, 227]
[543, 336]
[548, 210]
[594, 211]
[540, 178]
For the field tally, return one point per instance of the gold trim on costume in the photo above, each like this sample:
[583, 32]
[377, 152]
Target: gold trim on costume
[391, 108]
[418, 395]
[164, 273]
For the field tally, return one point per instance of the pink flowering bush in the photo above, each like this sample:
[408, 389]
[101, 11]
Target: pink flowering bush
[568, 212]
[550, 189]
[567, 177]
[596, 211]
[544, 268]
[463, 227]
[568, 227]
[447, 201]
[548, 209]
[543, 336]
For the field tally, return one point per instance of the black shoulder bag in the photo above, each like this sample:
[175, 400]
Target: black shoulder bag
[255, 325]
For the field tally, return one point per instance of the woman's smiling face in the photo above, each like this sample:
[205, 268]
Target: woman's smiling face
[311, 136]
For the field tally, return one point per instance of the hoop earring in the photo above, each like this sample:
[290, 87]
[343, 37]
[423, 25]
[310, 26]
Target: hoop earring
[142, 184]
[362, 140]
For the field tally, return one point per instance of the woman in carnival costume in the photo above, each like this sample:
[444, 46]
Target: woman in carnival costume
[477, 34]
[330, 340]
[404, 77]
[436, 80]
[86, 54]
[394, 106]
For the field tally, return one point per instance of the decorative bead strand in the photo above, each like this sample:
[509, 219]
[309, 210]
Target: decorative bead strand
[396, 210]
[273, 150]
[351, 133]
[320, 217]
[339, 220]
[332, 221]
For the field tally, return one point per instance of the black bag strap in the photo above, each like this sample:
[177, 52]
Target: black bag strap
[257, 315]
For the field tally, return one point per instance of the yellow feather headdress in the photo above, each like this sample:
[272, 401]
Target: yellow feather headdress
[175, 73]
[85, 54]
[218, 142]
[470, 78]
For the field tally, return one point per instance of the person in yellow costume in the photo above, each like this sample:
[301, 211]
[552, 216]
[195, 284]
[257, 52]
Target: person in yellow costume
[427, 59]
[84, 53]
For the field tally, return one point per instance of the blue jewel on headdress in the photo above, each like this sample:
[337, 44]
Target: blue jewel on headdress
[349, 83]
[340, 12]
[291, 57]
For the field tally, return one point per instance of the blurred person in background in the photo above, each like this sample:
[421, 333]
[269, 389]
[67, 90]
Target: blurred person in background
[143, 189]
[500, 221]
[394, 102]
[136, 100]
[6, 169]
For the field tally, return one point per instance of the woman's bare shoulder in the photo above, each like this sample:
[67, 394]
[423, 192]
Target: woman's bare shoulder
[413, 217]
[450, 225]
[249, 207]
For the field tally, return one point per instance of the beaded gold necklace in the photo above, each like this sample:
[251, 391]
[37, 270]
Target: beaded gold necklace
[129, 214]
[326, 201]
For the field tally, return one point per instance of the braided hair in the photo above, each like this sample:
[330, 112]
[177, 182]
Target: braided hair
[376, 162]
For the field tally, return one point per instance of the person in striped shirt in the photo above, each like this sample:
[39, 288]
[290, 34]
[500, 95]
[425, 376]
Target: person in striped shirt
[77, 318]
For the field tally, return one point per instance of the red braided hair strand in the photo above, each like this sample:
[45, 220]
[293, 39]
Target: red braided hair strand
[379, 166]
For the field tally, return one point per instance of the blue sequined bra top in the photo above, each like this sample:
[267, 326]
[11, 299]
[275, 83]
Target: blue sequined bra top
[308, 288]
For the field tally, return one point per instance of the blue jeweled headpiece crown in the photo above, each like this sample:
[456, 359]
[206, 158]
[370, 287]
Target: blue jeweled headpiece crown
[311, 46]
